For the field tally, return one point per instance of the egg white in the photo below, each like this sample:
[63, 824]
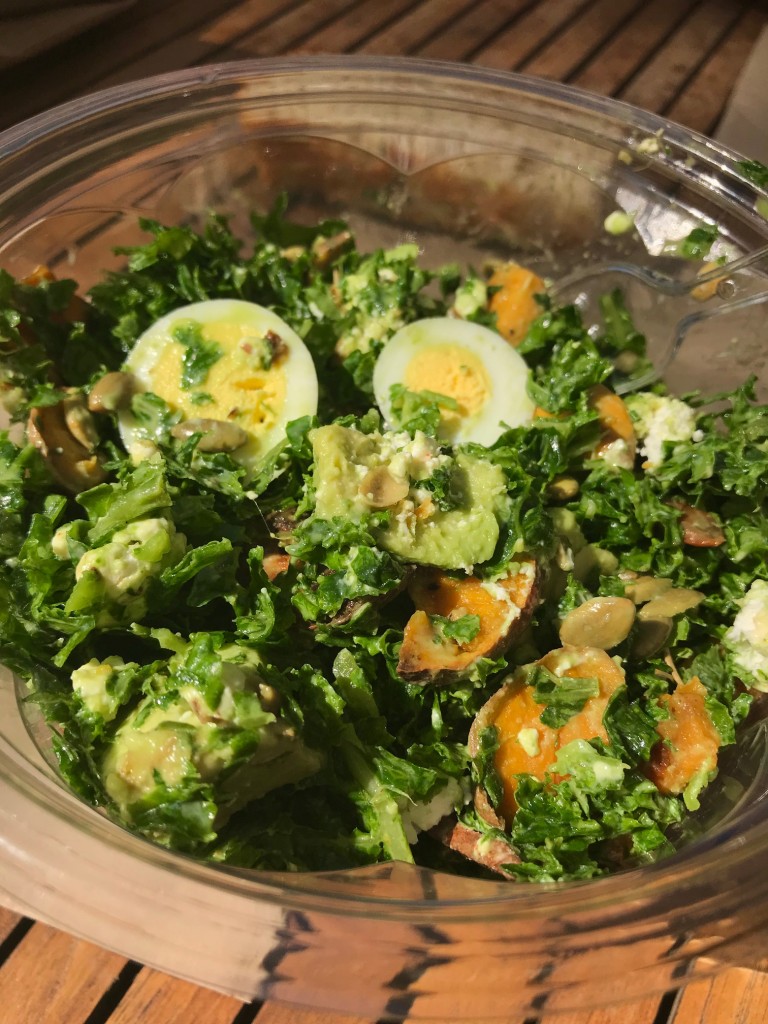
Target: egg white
[465, 361]
[259, 400]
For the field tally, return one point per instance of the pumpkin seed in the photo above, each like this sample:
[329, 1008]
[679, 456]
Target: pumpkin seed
[217, 435]
[71, 462]
[80, 422]
[650, 635]
[645, 588]
[112, 392]
[563, 488]
[380, 489]
[600, 622]
[673, 602]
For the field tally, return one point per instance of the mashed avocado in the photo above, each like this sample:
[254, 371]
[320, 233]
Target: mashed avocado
[419, 530]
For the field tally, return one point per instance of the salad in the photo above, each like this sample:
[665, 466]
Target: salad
[314, 558]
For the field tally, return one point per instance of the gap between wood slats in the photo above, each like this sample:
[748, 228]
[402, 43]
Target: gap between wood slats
[737, 996]
[54, 977]
[110, 1000]
[12, 930]
[157, 998]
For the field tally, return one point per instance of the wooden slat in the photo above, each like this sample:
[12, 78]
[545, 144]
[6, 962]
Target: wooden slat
[280, 1013]
[418, 25]
[642, 1012]
[526, 34]
[8, 921]
[289, 30]
[737, 996]
[703, 100]
[561, 57]
[343, 33]
[613, 65]
[474, 29]
[89, 61]
[158, 999]
[53, 977]
[664, 75]
[220, 37]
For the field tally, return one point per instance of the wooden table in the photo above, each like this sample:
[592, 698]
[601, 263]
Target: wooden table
[679, 58]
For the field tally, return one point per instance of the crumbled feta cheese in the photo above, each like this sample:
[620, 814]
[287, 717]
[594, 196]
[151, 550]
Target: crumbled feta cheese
[411, 458]
[420, 817]
[748, 636]
[659, 419]
[618, 454]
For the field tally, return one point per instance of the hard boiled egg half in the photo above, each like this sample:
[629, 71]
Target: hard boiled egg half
[466, 362]
[229, 361]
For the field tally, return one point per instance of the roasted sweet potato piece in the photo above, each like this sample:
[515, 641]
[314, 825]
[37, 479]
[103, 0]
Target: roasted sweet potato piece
[526, 744]
[504, 609]
[689, 741]
[514, 303]
[275, 563]
[617, 440]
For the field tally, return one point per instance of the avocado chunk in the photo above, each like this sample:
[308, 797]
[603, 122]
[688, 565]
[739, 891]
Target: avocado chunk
[455, 531]
[210, 735]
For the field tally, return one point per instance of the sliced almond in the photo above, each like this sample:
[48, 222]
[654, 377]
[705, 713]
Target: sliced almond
[601, 622]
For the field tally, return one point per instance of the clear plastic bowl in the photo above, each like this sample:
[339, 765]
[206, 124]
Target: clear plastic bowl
[469, 163]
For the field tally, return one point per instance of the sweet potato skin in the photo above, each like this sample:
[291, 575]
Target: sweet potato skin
[503, 613]
[489, 853]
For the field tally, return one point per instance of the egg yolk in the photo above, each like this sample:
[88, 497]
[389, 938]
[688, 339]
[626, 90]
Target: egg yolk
[454, 371]
[243, 392]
